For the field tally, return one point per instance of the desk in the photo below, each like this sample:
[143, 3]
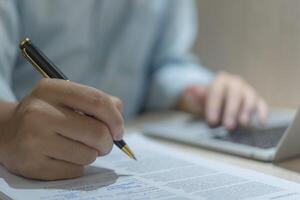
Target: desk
[286, 170]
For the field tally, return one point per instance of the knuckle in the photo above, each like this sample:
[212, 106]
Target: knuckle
[30, 115]
[99, 100]
[33, 109]
[119, 121]
[119, 104]
[42, 86]
[99, 129]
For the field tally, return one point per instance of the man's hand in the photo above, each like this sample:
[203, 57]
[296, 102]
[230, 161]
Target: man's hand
[228, 101]
[47, 137]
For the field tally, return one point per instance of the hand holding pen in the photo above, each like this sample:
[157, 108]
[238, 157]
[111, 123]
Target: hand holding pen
[47, 69]
[45, 136]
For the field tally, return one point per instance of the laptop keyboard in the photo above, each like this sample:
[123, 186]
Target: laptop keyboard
[264, 139]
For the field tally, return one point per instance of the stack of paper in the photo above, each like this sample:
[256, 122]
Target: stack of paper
[160, 173]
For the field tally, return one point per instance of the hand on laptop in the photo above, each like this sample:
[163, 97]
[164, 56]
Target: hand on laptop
[228, 101]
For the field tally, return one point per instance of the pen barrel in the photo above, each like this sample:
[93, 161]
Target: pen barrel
[120, 143]
[40, 61]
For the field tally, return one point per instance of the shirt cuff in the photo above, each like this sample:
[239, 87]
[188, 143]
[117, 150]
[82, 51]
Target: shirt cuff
[5, 92]
[170, 81]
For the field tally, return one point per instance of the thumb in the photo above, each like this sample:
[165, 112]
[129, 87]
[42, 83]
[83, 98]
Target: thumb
[198, 92]
[194, 98]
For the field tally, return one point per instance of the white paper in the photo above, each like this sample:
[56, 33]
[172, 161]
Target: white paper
[160, 173]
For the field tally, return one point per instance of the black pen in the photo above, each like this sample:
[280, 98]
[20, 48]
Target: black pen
[44, 66]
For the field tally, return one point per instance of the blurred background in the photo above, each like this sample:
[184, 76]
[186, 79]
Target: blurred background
[258, 39]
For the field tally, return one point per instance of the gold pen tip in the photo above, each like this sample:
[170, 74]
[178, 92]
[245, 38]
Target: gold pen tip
[128, 151]
[133, 157]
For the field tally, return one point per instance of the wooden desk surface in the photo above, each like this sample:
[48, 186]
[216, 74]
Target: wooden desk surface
[289, 170]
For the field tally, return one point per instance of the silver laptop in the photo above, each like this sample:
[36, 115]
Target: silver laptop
[277, 141]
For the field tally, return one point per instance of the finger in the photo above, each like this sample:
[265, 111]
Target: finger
[215, 99]
[199, 93]
[84, 129]
[262, 111]
[248, 107]
[117, 102]
[62, 148]
[45, 168]
[57, 169]
[85, 99]
[232, 106]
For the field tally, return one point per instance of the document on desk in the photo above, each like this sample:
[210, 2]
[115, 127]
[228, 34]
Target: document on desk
[161, 173]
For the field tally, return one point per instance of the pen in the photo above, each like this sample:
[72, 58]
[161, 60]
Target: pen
[44, 66]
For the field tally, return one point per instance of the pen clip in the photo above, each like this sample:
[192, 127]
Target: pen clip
[36, 66]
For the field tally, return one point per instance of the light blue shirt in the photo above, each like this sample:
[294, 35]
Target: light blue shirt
[137, 50]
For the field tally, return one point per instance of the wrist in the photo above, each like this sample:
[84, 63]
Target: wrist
[181, 104]
[192, 100]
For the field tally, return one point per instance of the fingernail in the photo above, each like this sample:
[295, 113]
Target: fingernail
[244, 120]
[229, 124]
[213, 118]
[120, 133]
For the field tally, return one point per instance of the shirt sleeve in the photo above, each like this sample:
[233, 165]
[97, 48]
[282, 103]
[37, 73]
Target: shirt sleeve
[174, 68]
[9, 28]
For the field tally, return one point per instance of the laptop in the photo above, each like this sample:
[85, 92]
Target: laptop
[278, 140]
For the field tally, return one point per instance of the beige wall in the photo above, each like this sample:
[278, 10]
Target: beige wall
[258, 39]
